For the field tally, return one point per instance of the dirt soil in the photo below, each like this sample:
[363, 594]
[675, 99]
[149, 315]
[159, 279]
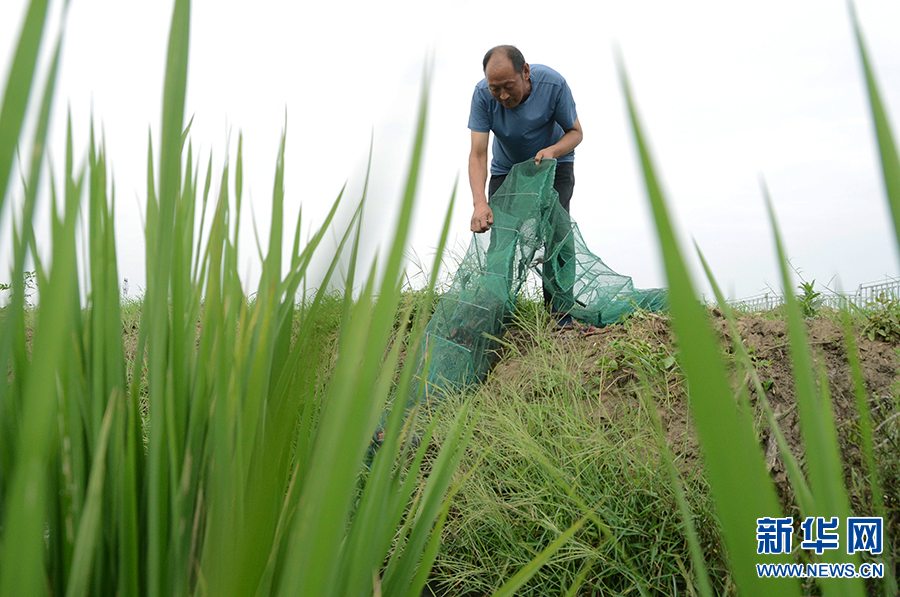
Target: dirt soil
[649, 338]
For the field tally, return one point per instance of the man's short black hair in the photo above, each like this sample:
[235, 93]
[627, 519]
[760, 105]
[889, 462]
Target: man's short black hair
[512, 52]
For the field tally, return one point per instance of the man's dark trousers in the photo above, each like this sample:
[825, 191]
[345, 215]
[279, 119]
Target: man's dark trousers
[564, 184]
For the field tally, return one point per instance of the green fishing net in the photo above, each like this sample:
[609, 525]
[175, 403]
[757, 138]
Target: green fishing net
[531, 231]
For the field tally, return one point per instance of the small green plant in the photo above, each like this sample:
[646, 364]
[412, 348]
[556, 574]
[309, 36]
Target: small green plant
[760, 364]
[637, 313]
[809, 300]
[882, 320]
[655, 358]
[29, 285]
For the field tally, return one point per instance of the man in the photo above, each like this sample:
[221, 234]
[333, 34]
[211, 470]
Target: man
[531, 112]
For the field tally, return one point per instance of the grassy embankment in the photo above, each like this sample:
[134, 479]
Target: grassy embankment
[568, 422]
[602, 422]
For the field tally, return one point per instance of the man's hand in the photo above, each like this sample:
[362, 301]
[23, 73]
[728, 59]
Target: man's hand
[567, 143]
[482, 218]
[547, 152]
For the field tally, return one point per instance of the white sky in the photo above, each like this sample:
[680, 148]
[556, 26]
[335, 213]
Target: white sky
[727, 95]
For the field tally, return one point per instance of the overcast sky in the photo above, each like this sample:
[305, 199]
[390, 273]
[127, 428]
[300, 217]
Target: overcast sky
[727, 96]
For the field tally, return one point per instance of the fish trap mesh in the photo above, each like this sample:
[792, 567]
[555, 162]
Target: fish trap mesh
[531, 231]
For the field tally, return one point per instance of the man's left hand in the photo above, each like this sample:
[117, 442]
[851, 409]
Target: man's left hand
[569, 141]
[544, 153]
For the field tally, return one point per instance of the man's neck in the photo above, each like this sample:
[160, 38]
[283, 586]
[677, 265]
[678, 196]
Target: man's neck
[527, 91]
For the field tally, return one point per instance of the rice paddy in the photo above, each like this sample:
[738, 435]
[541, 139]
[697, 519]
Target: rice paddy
[204, 441]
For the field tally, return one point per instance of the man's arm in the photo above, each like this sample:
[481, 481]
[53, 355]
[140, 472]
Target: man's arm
[482, 216]
[567, 143]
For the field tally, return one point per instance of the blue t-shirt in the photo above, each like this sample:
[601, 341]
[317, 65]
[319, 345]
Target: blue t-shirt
[538, 122]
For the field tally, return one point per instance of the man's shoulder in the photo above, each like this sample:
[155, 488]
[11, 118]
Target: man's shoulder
[541, 73]
[481, 95]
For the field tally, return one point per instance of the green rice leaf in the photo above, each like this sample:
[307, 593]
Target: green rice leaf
[18, 88]
[887, 148]
[738, 478]
[865, 431]
[22, 550]
[164, 462]
[798, 481]
[823, 458]
[89, 527]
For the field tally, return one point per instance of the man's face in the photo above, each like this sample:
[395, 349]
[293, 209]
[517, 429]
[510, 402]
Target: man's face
[506, 85]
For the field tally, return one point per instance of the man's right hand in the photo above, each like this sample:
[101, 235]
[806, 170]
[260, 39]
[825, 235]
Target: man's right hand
[482, 217]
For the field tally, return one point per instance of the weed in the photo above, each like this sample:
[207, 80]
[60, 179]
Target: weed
[810, 300]
[760, 364]
[29, 287]
[562, 434]
[882, 319]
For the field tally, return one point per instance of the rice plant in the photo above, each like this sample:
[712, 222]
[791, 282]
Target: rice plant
[735, 465]
[212, 460]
